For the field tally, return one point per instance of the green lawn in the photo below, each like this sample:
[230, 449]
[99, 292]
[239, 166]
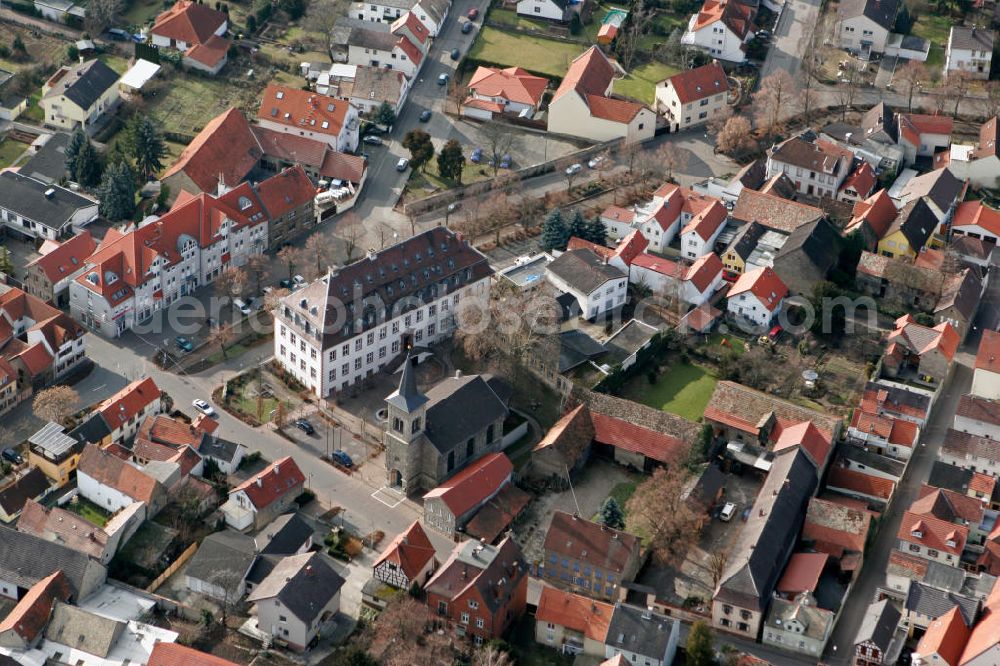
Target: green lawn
[641, 81]
[142, 11]
[10, 150]
[733, 343]
[89, 511]
[935, 29]
[429, 179]
[536, 54]
[34, 112]
[684, 389]
[184, 104]
[512, 18]
[621, 492]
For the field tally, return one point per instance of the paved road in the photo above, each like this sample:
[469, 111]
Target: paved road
[917, 472]
[790, 37]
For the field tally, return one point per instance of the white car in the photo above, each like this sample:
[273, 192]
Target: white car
[240, 305]
[595, 162]
[574, 168]
[299, 281]
[203, 407]
[727, 512]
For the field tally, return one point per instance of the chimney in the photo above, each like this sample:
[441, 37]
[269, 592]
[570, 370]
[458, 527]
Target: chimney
[458, 374]
[260, 482]
[648, 613]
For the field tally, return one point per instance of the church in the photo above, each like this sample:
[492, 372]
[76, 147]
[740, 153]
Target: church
[431, 436]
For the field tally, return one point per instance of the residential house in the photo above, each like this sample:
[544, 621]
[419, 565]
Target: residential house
[752, 176]
[944, 640]
[671, 209]
[877, 642]
[977, 163]
[921, 135]
[410, 27]
[32, 209]
[931, 538]
[595, 286]
[26, 559]
[983, 647]
[65, 527]
[80, 95]
[171, 654]
[798, 625]
[817, 168]
[966, 482]
[498, 91]
[970, 51]
[924, 604]
[807, 255]
[883, 434]
[381, 11]
[630, 247]
[838, 530]
[699, 235]
[197, 31]
[977, 416]
[864, 25]
[722, 28]
[975, 220]
[925, 352]
[113, 484]
[481, 590]
[220, 566]
[452, 504]
[309, 114]
[854, 457]
[904, 570]
[60, 263]
[367, 88]
[24, 625]
[432, 14]
[972, 452]
[571, 623]
[12, 104]
[582, 105]
[161, 437]
[859, 184]
[95, 639]
[297, 599]
[24, 489]
[636, 634]
[376, 46]
[986, 376]
[264, 496]
[744, 242]
[437, 266]
[745, 590]
[425, 442]
[693, 97]
[554, 10]
[54, 452]
[873, 141]
[757, 297]
[872, 218]
[873, 489]
[124, 412]
[48, 158]
[702, 279]
[587, 557]
[408, 560]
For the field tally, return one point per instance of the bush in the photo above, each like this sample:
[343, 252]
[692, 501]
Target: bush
[306, 497]
[250, 459]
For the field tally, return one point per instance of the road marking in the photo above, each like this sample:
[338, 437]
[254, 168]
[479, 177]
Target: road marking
[389, 503]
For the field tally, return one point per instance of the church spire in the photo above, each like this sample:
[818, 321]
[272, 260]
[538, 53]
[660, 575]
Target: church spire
[407, 397]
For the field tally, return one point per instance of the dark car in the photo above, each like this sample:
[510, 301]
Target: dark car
[305, 426]
[473, 14]
[467, 27]
[505, 162]
[477, 155]
[455, 54]
[372, 140]
[183, 343]
[286, 283]
[342, 458]
[10, 455]
[425, 116]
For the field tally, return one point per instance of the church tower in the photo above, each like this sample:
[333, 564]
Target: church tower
[407, 410]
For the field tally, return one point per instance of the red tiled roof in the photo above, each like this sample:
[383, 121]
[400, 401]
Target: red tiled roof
[474, 484]
[410, 551]
[861, 180]
[860, 483]
[631, 247]
[498, 513]
[975, 214]
[636, 439]
[659, 265]
[802, 573]
[700, 318]
[734, 15]
[286, 191]
[978, 409]
[591, 543]
[704, 271]
[763, 283]
[695, 84]
[945, 637]
[31, 614]
[619, 214]
[410, 21]
[988, 356]
[484, 104]
[303, 109]
[577, 613]
[912, 125]
[707, 222]
[877, 210]
[168, 431]
[225, 146]
[127, 403]
[175, 654]
[982, 483]
[341, 166]
[511, 83]
[808, 436]
[273, 482]
[836, 528]
[986, 633]
[35, 358]
[947, 505]
[205, 424]
[66, 257]
[615, 110]
[590, 73]
[411, 50]
[211, 53]
[935, 533]
[189, 22]
[113, 472]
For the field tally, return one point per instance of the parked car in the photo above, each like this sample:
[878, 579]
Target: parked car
[342, 458]
[574, 168]
[595, 161]
[505, 162]
[402, 164]
[183, 343]
[242, 306]
[305, 426]
[203, 407]
[453, 206]
[477, 155]
[473, 14]
[455, 54]
[372, 140]
[425, 116]
[727, 512]
[285, 283]
[442, 79]
[12, 456]
[299, 281]
[467, 27]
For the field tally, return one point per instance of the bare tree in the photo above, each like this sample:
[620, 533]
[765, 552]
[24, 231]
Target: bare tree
[232, 282]
[670, 158]
[719, 120]
[291, 257]
[273, 298]
[628, 40]
[385, 234]
[319, 250]
[55, 404]
[350, 230]
[229, 582]
[990, 104]
[101, 14]
[491, 655]
[717, 566]
[810, 99]
[402, 635]
[658, 511]
[910, 77]
[736, 137]
[498, 140]
[778, 94]
[847, 89]
[258, 265]
[220, 335]
[571, 174]
[958, 87]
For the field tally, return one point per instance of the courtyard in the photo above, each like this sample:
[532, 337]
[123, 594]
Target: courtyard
[683, 389]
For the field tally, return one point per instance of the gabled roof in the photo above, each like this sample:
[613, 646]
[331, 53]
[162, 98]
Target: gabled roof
[271, 483]
[802, 573]
[284, 535]
[225, 148]
[416, 28]
[590, 73]
[919, 339]
[583, 270]
[882, 12]
[707, 222]
[835, 528]
[987, 146]
[302, 109]
[474, 484]
[979, 409]
[988, 355]
[410, 551]
[285, 191]
[65, 527]
[986, 633]
[841, 478]
[28, 618]
[113, 472]
[26, 559]
[814, 154]
[962, 444]
[941, 187]
[704, 271]
[694, 84]
[82, 83]
[948, 505]
[973, 39]
[734, 14]
[879, 624]
[26, 197]
[67, 258]
[592, 543]
[807, 436]
[818, 243]
[175, 654]
[82, 630]
[189, 22]
[511, 83]
[223, 559]
[304, 584]
[25, 488]
[748, 409]
[211, 52]
[574, 612]
[128, 402]
[933, 533]
[764, 284]
[475, 569]
[639, 631]
[976, 214]
[773, 211]
[861, 180]
[932, 602]
[912, 125]
[877, 210]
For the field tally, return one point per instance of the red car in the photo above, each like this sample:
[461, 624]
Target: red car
[473, 14]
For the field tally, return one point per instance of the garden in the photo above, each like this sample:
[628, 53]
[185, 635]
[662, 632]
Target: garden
[545, 57]
[88, 511]
[683, 389]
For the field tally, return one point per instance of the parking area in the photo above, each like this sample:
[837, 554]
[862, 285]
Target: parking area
[327, 438]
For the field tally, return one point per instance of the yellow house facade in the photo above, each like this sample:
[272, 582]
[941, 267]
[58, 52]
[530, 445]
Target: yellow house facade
[54, 452]
[896, 244]
[82, 95]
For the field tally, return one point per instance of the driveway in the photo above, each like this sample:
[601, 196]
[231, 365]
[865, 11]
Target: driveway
[791, 37]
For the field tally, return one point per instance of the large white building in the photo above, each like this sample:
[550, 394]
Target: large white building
[693, 97]
[594, 284]
[352, 322]
[817, 167]
[722, 28]
[970, 50]
[32, 209]
[757, 296]
[314, 116]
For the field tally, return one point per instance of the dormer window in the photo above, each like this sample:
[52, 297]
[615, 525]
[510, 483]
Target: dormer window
[950, 543]
[917, 534]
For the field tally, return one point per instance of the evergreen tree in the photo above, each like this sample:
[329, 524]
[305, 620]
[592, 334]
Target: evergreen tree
[578, 226]
[6, 265]
[698, 648]
[597, 232]
[76, 141]
[555, 232]
[418, 142]
[146, 146]
[385, 115]
[88, 166]
[451, 161]
[117, 192]
[612, 514]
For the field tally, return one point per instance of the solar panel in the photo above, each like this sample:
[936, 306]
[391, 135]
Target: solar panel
[52, 440]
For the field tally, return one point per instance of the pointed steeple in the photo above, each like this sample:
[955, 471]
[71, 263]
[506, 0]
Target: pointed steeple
[407, 397]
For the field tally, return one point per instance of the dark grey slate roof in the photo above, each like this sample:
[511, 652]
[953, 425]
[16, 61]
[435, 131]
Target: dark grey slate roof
[942, 577]
[30, 486]
[223, 558]
[83, 630]
[941, 186]
[917, 221]
[746, 239]
[26, 197]
[630, 630]
[262, 568]
[285, 535]
[753, 175]
[576, 347]
[49, 163]
[372, 39]
[929, 601]
[863, 456]
[879, 123]
[583, 270]
[304, 584]
[950, 477]
[763, 546]
[898, 395]
[845, 132]
[882, 12]
[817, 241]
[976, 39]
[407, 397]
[978, 586]
[458, 408]
[879, 624]
[91, 431]
[85, 83]
[25, 559]
[220, 449]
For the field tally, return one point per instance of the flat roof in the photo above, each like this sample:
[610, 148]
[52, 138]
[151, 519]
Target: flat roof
[52, 440]
[529, 272]
[139, 74]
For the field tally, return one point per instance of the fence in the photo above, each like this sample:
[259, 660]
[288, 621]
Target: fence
[172, 569]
